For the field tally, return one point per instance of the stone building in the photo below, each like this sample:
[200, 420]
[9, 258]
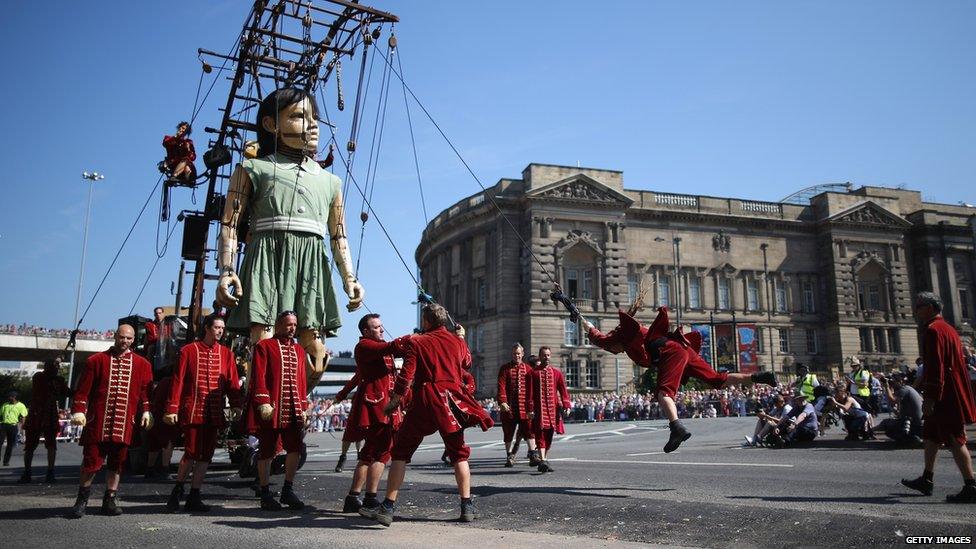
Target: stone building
[822, 280]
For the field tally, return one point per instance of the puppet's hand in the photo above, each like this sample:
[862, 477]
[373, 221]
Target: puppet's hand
[266, 411]
[225, 296]
[78, 419]
[355, 292]
[169, 419]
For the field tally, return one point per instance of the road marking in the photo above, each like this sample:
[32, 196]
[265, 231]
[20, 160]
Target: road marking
[618, 432]
[646, 454]
[698, 463]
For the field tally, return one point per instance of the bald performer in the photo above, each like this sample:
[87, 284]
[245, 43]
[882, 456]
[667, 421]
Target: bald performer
[112, 391]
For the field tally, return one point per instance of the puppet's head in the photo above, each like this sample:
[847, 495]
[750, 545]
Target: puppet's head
[288, 118]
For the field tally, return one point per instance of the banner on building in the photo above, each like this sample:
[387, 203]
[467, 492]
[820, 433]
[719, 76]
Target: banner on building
[706, 348]
[725, 348]
[748, 348]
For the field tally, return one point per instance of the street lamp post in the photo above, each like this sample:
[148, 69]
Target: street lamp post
[769, 310]
[91, 178]
[676, 264]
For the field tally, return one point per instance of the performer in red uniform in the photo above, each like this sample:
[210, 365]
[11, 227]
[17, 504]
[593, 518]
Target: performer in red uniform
[277, 407]
[438, 403]
[162, 437]
[206, 373]
[47, 388]
[180, 154]
[948, 399]
[675, 355]
[512, 389]
[153, 329]
[112, 390]
[350, 435]
[375, 370]
[548, 399]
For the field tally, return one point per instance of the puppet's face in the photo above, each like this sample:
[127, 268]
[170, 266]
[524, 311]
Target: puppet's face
[296, 126]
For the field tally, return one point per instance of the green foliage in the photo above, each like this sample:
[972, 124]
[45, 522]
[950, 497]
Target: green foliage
[21, 384]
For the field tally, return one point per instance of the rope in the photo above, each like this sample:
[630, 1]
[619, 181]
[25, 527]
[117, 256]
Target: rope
[118, 253]
[151, 270]
[413, 143]
[473, 175]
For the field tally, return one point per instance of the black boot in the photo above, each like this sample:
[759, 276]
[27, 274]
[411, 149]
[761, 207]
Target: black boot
[340, 463]
[49, 477]
[678, 435]
[173, 503]
[351, 504]
[967, 495]
[110, 504]
[268, 502]
[534, 459]
[544, 467]
[766, 378]
[920, 484]
[25, 478]
[81, 503]
[510, 460]
[194, 503]
[289, 498]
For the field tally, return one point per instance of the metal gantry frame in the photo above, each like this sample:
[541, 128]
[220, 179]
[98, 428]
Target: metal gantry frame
[296, 43]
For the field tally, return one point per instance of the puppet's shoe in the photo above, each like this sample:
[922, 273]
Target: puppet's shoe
[173, 503]
[967, 495]
[468, 512]
[81, 504]
[291, 500]
[195, 504]
[268, 503]
[110, 504]
[678, 435]
[351, 504]
[766, 378]
[920, 484]
[384, 515]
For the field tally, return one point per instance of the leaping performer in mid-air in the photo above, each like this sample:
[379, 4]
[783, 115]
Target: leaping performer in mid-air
[674, 354]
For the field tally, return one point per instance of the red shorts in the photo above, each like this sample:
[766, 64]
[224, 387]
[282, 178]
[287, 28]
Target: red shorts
[418, 424]
[33, 438]
[162, 435]
[95, 455]
[379, 443]
[353, 434]
[678, 365]
[199, 442]
[510, 424]
[944, 428]
[270, 441]
[543, 438]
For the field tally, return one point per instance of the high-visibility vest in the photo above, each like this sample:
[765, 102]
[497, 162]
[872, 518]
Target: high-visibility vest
[862, 391]
[806, 386]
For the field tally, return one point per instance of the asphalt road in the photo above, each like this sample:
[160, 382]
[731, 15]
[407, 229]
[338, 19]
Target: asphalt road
[612, 485]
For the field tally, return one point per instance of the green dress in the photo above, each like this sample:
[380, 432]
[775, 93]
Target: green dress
[286, 265]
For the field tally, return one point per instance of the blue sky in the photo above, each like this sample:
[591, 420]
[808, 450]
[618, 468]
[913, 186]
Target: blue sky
[747, 99]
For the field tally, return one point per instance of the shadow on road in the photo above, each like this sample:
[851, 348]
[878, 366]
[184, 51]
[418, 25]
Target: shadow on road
[880, 500]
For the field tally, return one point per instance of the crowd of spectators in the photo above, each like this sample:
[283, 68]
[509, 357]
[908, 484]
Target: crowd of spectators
[326, 415]
[31, 330]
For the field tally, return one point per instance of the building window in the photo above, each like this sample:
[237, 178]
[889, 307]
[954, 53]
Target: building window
[482, 294]
[880, 341]
[572, 373]
[780, 298]
[724, 298]
[570, 333]
[694, 292]
[587, 284]
[479, 339]
[964, 303]
[784, 340]
[633, 281]
[813, 342]
[664, 291]
[760, 347]
[593, 374]
[865, 335]
[809, 299]
[752, 294]
[893, 341]
[572, 283]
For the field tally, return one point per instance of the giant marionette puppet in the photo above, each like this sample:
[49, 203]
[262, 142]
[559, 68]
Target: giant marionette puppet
[292, 208]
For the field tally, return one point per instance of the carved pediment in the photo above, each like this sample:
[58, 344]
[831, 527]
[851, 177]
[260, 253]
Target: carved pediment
[581, 188]
[870, 214]
[575, 237]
